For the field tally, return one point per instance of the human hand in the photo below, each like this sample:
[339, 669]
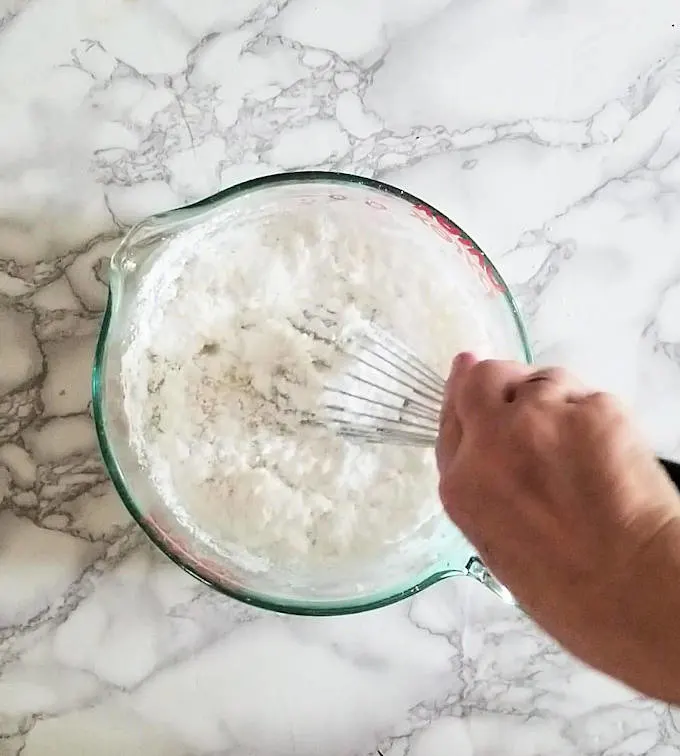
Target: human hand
[570, 510]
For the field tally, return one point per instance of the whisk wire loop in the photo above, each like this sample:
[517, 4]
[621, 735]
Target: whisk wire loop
[387, 395]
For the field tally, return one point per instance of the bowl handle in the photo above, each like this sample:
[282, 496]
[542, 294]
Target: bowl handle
[476, 569]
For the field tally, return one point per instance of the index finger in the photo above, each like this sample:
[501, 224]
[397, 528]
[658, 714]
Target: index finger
[480, 388]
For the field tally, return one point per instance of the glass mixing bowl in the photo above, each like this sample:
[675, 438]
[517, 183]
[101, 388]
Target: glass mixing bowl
[402, 572]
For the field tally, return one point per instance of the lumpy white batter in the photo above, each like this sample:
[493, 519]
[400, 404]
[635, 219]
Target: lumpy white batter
[219, 378]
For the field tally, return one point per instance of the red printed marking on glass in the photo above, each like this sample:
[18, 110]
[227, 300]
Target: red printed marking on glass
[448, 230]
[207, 567]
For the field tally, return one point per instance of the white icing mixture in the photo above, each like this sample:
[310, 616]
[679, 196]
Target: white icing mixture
[221, 375]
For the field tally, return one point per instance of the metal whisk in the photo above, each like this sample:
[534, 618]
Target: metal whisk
[387, 395]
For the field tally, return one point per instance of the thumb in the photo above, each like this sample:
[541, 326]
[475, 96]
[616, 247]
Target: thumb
[450, 429]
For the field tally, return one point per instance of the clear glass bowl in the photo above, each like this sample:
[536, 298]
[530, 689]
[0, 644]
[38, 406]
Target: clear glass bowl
[389, 579]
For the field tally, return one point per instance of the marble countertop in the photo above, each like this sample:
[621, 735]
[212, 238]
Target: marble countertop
[549, 130]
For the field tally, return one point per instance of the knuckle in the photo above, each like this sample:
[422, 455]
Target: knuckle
[604, 420]
[554, 374]
[603, 403]
[484, 371]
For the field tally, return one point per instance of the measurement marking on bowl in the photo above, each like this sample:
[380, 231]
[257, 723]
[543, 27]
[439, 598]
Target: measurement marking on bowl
[206, 567]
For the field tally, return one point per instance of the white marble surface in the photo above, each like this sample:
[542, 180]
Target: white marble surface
[549, 129]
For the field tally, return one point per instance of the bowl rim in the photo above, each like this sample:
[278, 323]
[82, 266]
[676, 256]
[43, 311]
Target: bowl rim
[308, 607]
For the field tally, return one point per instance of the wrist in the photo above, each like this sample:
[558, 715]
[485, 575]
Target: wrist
[650, 618]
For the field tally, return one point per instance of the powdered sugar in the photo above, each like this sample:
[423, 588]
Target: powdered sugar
[222, 379]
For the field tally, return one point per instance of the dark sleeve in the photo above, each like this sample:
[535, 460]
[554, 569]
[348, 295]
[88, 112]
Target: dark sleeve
[673, 471]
